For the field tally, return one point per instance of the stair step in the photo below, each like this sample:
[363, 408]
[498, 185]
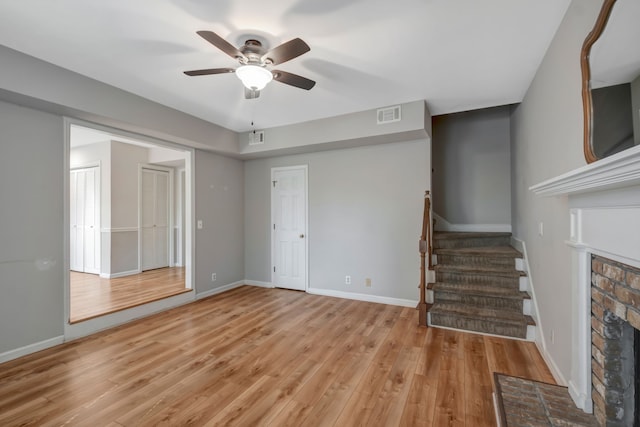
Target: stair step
[486, 320]
[494, 297]
[465, 240]
[493, 251]
[498, 256]
[479, 270]
[479, 289]
[486, 275]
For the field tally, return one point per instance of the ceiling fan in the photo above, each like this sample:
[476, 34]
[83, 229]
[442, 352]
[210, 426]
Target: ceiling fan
[255, 61]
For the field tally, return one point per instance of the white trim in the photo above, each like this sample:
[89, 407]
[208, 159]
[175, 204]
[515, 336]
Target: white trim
[219, 290]
[551, 364]
[620, 170]
[305, 168]
[364, 297]
[496, 410]
[119, 230]
[91, 326]
[31, 348]
[259, 284]
[119, 274]
[444, 225]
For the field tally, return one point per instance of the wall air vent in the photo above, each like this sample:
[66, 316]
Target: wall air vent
[256, 137]
[389, 114]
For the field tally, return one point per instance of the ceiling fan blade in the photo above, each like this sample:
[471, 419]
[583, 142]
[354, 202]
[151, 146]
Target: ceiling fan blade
[221, 44]
[208, 71]
[286, 51]
[251, 94]
[293, 79]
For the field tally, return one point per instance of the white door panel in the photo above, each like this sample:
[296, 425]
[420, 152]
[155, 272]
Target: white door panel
[289, 203]
[84, 216]
[154, 219]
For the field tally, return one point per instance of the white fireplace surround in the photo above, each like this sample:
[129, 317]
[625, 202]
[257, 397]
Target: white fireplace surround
[604, 210]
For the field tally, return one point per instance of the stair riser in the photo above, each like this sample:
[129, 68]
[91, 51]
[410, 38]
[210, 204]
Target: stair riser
[480, 261]
[486, 326]
[507, 304]
[471, 242]
[448, 277]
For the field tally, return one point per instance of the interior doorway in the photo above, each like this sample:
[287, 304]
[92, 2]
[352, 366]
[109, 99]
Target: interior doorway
[129, 225]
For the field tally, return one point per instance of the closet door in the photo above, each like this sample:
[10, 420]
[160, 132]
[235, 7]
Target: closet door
[84, 217]
[154, 219]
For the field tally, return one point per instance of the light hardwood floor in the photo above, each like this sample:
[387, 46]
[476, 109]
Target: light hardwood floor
[92, 296]
[254, 356]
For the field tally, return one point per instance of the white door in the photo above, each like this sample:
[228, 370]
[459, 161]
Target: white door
[84, 197]
[154, 219]
[289, 227]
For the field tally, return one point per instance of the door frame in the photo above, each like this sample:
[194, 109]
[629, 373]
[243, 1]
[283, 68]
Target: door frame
[305, 169]
[77, 330]
[170, 171]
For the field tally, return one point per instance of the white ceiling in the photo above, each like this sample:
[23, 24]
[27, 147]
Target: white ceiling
[456, 54]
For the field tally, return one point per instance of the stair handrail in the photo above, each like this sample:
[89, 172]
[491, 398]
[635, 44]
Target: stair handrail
[425, 250]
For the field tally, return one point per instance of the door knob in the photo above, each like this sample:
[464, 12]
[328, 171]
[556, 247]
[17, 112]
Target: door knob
[302, 236]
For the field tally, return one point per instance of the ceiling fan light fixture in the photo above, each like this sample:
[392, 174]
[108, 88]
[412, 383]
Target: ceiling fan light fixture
[254, 77]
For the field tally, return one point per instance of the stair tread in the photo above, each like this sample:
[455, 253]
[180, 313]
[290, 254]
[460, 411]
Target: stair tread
[494, 251]
[438, 235]
[481, 290]
[479, 269]
[473, 312]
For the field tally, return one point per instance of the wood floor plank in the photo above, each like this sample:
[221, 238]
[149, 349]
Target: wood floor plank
[255, 356]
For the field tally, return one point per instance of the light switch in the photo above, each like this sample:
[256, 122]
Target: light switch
[199, 224]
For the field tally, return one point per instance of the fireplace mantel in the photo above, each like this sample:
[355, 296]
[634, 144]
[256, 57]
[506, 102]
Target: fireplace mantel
[604, 213]
[618, 171]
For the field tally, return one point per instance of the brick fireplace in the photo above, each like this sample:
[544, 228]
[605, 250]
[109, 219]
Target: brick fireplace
[615, 321]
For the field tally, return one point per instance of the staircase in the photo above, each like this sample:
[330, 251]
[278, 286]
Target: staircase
[477, 285]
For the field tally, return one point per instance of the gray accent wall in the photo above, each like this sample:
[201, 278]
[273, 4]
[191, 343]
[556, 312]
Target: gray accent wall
[31, 252]
[219, 199]
[471, 167]
[365, 216]
[547, 138]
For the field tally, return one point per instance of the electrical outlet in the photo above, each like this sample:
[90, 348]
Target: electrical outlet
[347, 280]
[367, 282]
[213, 277]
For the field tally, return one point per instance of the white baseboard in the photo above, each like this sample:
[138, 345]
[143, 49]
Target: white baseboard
[364, 297]
[31, 348]
[120, 274]
[220, 289]
[259, 284]
[444, 225]
[581, 400]
[555, 371]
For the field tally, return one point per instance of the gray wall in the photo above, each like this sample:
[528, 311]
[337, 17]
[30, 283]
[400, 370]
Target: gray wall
[31, 249]
[471, 163]
[28, 81]
[365, 210]
[547, 138]
[219, 199]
